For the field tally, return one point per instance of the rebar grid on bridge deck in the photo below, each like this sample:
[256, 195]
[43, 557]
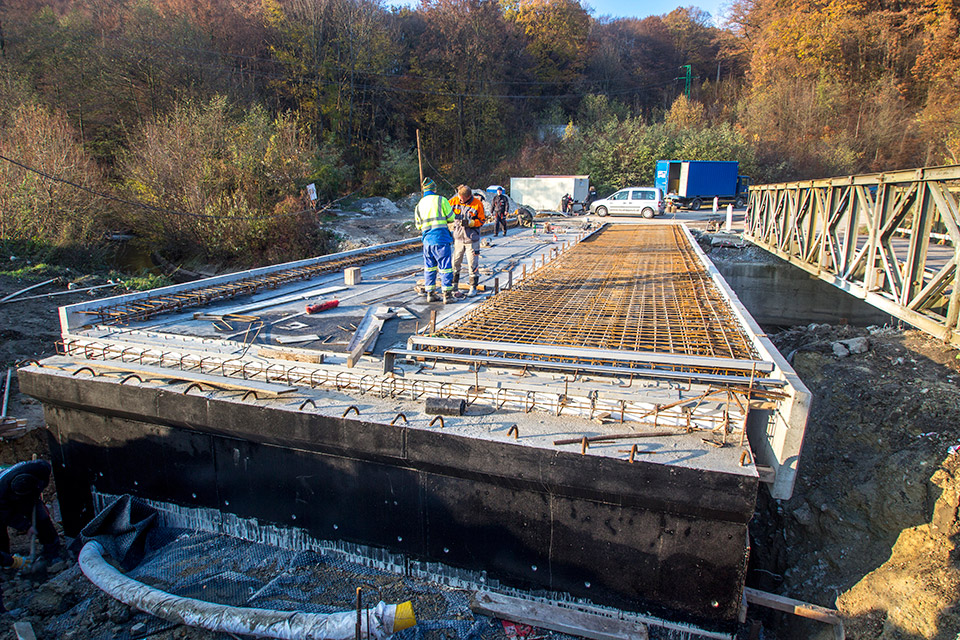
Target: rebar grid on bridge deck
[146, 308]
[630, 287]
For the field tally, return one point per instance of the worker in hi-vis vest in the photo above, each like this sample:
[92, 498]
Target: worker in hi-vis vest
[432, 215]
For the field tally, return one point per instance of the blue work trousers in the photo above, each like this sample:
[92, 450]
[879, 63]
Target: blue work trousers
[437, 257]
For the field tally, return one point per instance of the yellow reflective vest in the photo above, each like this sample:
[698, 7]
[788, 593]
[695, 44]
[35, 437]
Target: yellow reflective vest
[432, 212]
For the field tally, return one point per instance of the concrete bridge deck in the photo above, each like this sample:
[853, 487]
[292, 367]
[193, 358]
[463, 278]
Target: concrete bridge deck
[617, 399]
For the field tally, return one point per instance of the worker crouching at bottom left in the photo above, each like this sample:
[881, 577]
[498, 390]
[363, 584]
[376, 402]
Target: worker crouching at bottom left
[21, 507]
[431, 217]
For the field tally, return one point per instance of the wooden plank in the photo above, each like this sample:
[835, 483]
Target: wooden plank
[297, 356]
[767, 475]
[366, 335]
[363, 328]
[276, 300]
[789, 605]
[216, 382]
[557, 618]
[365, 344]
[310, 337]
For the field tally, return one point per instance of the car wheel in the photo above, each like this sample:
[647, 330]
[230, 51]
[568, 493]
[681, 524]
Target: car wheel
[601, 211]
[647, 213]
[695, 205]
[739, 203]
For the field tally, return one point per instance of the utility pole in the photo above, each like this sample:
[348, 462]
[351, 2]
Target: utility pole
[419, 157]
[686, 77]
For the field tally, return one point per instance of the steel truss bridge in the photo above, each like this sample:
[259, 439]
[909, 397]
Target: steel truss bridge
[891, 239]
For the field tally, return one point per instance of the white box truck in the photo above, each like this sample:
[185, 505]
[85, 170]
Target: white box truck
[543, 193]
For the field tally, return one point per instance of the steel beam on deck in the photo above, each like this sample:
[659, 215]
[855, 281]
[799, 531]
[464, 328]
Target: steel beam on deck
[845, 231]
[571, 367]
[591, 354]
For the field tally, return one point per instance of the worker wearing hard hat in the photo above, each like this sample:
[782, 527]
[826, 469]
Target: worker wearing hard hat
[468, 211]
[432, 217]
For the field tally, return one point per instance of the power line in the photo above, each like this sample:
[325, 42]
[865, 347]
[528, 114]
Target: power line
[439, 175]
[315, 78]
[155, 209]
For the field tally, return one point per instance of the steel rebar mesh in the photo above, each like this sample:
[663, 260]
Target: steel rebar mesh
[630, 287]
[146, 308]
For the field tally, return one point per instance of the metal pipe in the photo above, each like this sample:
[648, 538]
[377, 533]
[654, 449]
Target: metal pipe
[6, 393]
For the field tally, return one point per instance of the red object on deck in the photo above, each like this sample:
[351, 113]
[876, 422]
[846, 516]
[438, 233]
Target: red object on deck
[323, 306]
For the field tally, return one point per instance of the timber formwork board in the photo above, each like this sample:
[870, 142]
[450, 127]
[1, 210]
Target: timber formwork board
[617, 402]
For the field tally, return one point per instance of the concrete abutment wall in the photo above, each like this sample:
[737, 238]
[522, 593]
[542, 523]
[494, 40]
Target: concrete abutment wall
[642, 537]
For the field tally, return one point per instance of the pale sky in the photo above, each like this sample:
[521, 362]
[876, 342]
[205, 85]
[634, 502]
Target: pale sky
[634, 9]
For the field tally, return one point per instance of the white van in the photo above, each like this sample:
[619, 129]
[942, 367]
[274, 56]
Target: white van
[643, 201]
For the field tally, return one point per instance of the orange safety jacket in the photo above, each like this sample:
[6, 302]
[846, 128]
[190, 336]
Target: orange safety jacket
[469, 218]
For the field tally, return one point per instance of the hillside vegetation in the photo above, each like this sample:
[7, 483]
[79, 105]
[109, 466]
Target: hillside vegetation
[216, 114]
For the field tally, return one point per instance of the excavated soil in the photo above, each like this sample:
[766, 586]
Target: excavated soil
[872, 527]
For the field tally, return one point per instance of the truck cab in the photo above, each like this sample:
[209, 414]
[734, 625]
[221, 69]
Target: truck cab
[743, 191]
[690, 184]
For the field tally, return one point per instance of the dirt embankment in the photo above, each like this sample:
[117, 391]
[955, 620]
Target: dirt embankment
[873, 524]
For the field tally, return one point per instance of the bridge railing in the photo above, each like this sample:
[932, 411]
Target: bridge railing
[891, 239]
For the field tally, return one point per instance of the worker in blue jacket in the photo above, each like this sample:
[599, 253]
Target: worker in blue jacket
[431, 217]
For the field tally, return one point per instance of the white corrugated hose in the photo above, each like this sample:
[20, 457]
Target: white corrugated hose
[379, 622]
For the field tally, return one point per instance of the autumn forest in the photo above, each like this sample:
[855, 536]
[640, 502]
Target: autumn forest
[196, 124]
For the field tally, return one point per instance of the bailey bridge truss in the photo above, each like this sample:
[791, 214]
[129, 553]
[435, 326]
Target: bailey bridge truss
[890, 239]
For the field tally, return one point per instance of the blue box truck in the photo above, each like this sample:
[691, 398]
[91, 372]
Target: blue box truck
[689, 184]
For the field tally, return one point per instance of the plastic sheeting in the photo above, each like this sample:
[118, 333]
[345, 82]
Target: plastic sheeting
[378, 622]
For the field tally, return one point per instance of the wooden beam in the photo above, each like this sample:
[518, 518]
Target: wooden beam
[796, 607]
[283, 354]
[557, 618]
